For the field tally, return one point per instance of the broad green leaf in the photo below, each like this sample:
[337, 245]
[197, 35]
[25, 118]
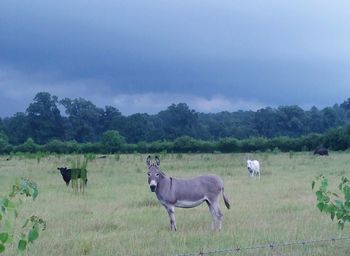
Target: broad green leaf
[320, 206]
[2, 248]
[32, 235]
[326, 199]
[35, 193]
[324, 185]
[22, 245]
[347, 194]
[3, 237]
[338, 203]
[319, 195]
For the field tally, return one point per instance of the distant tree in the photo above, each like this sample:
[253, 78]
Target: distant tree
[346, 105]
[138, 127]
[29, 146]
[337, 138]
[112, 119]
[290, 120]
[227, 145]
[329, 118]
[112, 141]
[314, 121]
[178, 120]
[44, 118]
[239, 124]
[185, 144]
[16, 128]
[266, 122]
[3, 141]
[83, 122]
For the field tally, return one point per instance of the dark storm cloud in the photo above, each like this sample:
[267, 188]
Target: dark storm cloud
[222, 54]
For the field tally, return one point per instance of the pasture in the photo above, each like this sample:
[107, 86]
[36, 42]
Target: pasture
[118, 215]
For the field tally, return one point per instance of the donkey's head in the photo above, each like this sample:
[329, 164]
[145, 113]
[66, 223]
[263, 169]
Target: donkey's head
[154, 173]
[249, 167]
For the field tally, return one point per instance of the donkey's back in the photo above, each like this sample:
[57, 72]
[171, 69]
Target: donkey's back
[204, 185]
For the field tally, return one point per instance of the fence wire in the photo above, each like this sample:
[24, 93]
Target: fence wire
[264, 246]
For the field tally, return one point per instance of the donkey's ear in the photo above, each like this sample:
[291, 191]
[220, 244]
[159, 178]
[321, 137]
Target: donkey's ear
[157, 160]
[148, 160]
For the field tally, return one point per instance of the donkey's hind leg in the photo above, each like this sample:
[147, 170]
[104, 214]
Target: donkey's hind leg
[212, 216]
[218, 213]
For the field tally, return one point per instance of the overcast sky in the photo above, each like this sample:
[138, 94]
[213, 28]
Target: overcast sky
[141, 56]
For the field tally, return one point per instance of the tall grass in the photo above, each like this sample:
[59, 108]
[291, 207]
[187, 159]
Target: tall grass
[118, 215]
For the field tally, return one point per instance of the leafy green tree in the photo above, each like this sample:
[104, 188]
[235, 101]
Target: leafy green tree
[239, 124]
[227, 145]
[346, 106]
[112, 119]
[138, 127]
[329, 117]
[290, 120]
[185, 144]
[314, 121]
[266, 122]
[112, 141]
[84, 120]
[178, 120]
[16, 128]
[56, 146]
[29, 146]
[3, 141]
[337, 138]
[44, 118]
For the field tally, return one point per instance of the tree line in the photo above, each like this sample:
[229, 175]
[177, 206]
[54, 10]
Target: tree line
[84, 127]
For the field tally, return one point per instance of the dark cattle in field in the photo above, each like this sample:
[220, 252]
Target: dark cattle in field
[322, 151]
[74, 174]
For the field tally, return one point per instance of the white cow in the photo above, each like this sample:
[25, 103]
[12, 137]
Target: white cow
[253, 168]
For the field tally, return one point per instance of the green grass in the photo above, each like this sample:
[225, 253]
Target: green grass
[118, 215]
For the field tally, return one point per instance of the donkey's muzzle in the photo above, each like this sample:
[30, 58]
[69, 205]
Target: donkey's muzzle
[153, 187]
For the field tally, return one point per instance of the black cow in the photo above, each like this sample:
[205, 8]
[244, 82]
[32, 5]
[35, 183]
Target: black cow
[322, 151]
[68, 174]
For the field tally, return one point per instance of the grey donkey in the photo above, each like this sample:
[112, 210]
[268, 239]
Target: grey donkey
[186, 193]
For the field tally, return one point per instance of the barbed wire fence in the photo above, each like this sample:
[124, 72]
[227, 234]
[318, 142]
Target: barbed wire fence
[263, 246]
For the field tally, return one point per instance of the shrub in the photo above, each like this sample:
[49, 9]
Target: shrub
[31, 227]
[331, 203]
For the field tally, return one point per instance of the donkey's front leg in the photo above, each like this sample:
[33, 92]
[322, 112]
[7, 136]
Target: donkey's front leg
[171, 211]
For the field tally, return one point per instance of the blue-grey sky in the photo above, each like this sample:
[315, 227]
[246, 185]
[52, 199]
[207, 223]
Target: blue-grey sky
[141, 56]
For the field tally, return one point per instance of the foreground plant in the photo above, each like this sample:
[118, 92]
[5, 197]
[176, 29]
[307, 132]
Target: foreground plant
[337, 205]
[32, 225]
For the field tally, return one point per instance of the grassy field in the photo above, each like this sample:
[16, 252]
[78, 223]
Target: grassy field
[118, 215]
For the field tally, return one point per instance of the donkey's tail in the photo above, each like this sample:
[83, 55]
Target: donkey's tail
[227, 203]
